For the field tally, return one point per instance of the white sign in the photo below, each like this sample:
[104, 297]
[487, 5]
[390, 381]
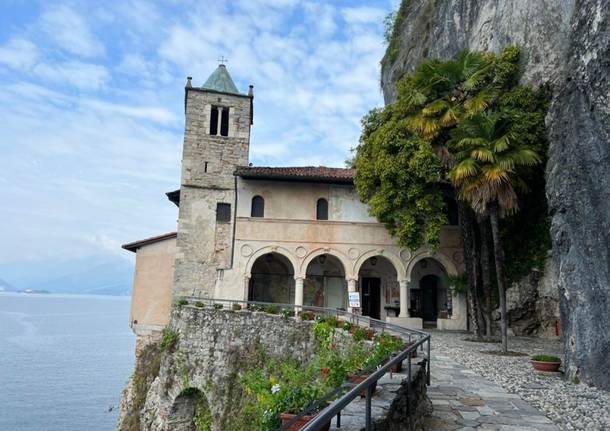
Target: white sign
[354, 299]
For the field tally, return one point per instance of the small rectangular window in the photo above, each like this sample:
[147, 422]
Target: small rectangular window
[214, 121]
[224, 122]
[223, 213]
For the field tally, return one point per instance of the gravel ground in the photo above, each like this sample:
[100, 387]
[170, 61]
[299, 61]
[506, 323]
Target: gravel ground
[571, 406]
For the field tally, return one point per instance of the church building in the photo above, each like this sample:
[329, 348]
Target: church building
[297, 235]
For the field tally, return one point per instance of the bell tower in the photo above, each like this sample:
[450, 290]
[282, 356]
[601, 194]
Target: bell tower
[216, 141]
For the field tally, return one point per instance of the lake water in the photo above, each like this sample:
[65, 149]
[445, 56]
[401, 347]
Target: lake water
[64, 360]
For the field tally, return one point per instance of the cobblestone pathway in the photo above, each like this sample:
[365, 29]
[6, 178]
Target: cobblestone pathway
[463, 400]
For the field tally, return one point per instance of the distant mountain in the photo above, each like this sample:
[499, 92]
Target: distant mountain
[98, 275]
[4, 285]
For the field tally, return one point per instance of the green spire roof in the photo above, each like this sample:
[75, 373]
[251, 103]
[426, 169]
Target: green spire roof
[221, 81]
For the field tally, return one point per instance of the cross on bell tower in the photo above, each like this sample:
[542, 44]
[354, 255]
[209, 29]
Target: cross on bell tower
[222, 60]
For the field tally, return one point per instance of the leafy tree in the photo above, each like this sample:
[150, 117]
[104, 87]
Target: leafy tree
[398, 175]
[444, 112]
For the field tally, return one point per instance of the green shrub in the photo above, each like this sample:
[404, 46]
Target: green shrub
[182, 302]
[169, 339]
[331, 320]
[217, 306]
[272, 309]
[280, 386]
[359, 334]
[346, 326]
[199, 304]
[323, 333]
[546, 358]
[236, 307]
[287, 313]
[307, 315]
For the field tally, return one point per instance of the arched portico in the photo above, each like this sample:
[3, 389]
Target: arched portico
[379, 285]
[270, 249]
[272, 279]
[327, 251]
[430, 296]
[324, 284]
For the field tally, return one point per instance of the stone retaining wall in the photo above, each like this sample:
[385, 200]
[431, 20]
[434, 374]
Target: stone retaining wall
[213, 347]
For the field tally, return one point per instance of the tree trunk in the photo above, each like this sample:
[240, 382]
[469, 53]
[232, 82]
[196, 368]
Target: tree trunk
[499, 258]
[465, 221]
[486, 274]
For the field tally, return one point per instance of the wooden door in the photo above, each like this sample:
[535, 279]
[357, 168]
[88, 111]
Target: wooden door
[371, 297]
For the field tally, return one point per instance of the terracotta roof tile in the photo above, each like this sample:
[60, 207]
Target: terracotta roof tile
[133, 246]
[298, 173]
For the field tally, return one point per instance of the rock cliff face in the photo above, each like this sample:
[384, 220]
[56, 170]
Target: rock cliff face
[567, 44]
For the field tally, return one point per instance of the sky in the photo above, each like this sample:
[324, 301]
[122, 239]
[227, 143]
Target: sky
[92, 105]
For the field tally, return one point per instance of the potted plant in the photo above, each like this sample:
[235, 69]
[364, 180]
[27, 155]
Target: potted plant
[307, 315]
[545, 362]
[236, 307]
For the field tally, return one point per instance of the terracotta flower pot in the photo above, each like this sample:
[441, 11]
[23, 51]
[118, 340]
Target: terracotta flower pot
[287, 417]
[357, 379]
[396, 368]
[545, 366]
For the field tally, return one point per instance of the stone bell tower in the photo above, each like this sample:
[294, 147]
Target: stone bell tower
[216, 140]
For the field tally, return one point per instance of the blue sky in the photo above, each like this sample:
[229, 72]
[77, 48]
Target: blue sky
[92, 105]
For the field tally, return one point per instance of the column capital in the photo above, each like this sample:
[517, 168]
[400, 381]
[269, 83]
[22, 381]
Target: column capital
[298, 277]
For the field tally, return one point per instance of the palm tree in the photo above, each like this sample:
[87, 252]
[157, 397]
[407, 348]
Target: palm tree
[489, 161]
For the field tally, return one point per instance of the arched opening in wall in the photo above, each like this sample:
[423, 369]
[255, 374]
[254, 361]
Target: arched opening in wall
[430, 297]
[190, 412]
[451, 211]
[272, 279]
[379, 288]
[325, 284]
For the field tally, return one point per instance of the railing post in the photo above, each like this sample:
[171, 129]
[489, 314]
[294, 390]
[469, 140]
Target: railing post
[428, 357]
[369, 395]
[409, 380]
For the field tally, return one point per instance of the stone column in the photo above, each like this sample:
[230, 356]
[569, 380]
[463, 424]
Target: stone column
[220, 109]
[351, 287]
[298, 293]
[246, 288]
[404, 298]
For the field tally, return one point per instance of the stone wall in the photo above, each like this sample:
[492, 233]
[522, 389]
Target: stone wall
[213, 346]
[409, 407]
[565, 43]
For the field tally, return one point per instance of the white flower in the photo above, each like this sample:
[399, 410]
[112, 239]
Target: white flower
[275, 388]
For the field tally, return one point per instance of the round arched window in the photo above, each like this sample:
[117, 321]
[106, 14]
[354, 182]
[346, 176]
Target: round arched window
[258, 207]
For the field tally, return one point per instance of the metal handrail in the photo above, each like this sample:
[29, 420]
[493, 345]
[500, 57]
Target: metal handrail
[334, 409]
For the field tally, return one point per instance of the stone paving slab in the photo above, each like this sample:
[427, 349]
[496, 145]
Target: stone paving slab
[463, 400]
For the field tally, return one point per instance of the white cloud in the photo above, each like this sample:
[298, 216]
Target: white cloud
[151, 113]
[88, 169]
[18, 53]
[85, 76]
[364, 15]
[71, 32]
